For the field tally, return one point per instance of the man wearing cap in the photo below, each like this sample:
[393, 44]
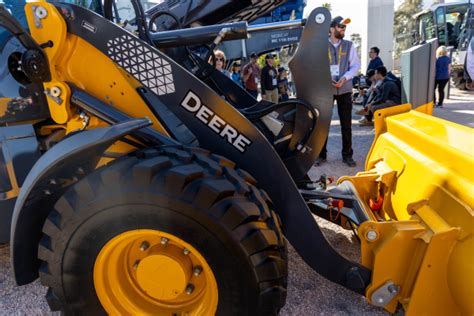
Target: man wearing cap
[344, 65]
[269, 80]
[250, 75]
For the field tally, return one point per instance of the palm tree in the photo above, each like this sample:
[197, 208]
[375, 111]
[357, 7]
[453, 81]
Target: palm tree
[327, 5]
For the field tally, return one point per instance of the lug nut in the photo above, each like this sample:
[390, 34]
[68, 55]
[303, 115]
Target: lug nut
[135, 265]
[144, 246]
[186, 251]
[189, 289]
[164, 240]
[197, 270]
[371, 235]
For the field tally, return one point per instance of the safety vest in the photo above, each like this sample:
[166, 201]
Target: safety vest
[340, 56]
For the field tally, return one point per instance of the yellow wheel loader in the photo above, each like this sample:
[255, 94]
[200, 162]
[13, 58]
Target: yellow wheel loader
[143, 184]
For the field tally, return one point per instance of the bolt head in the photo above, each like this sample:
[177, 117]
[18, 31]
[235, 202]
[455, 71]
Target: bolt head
[197, 270]
[144, 245]
[371, 235]
[41, 12]
[186, 251]
[393, 288]
[189, 288]
[320, 18]
[164, 240]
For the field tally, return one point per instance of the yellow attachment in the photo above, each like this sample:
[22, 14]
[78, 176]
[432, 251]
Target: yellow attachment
[422, 240]
[149, 272]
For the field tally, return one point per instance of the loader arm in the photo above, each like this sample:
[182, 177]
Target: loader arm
[218, 126]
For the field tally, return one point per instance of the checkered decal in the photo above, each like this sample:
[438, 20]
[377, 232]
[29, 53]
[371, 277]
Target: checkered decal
[147, 66]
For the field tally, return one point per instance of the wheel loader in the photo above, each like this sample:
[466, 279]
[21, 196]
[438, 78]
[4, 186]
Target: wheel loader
[140, 188]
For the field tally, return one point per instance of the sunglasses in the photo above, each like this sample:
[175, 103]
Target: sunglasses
[341, 26]
[220, 59]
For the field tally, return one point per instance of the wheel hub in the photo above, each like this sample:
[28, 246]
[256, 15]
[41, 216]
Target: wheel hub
[161, 277]
[153, 272]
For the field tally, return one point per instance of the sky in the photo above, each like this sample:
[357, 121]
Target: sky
[352, 9]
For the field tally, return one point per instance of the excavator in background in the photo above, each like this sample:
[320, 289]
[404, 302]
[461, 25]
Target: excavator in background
[143, 183]
[453, 25]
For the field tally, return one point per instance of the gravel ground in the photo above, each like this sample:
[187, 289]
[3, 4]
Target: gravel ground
[308, 292]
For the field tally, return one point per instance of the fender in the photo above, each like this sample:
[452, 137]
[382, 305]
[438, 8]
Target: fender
[69, 160]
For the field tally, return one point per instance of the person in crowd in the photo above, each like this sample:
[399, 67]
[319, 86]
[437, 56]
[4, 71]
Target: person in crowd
[269, 80]
[443, 73]
[251, 75]
[236, 74]
[220, 62]
[470, 65]
[282, 84]
[344, 65]
[375, 60]
[371, 94]
[389, 93]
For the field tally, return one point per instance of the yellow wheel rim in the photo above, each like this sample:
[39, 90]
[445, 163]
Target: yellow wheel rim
[152, 272]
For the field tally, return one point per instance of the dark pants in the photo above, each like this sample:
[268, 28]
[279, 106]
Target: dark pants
[344, 109]
[440, 84]
[253, 93]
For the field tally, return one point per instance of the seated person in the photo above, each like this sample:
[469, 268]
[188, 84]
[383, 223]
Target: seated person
[389, 94]
[369, 96]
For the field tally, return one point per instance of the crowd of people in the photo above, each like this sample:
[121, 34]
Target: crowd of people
[273, 81]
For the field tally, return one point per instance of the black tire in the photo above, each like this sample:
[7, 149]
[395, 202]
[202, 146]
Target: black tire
[215, 207]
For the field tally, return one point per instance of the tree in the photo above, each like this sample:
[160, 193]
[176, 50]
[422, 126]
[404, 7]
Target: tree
[326, 5]
[357, 40]
[405, 25]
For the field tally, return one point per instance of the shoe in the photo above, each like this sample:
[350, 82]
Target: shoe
[349, 161]
[365, 122]
[362, 111]
[320, 161]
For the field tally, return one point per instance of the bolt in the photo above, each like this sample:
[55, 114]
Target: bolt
[380, 300]
[371, 235]
[135, 265]
[393, 288]
[47, 192]
[197, 270]
[144, 246]
[55, 91]
[52, 182]
[80, 171]
[186, 251]
[164, 240]
[41, 12]
[189, 289]
[320, 18]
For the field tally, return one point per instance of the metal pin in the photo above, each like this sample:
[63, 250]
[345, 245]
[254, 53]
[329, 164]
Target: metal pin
[164, 240]
[371, 235]
[144, 246]
[189, 289]
[186, 251]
